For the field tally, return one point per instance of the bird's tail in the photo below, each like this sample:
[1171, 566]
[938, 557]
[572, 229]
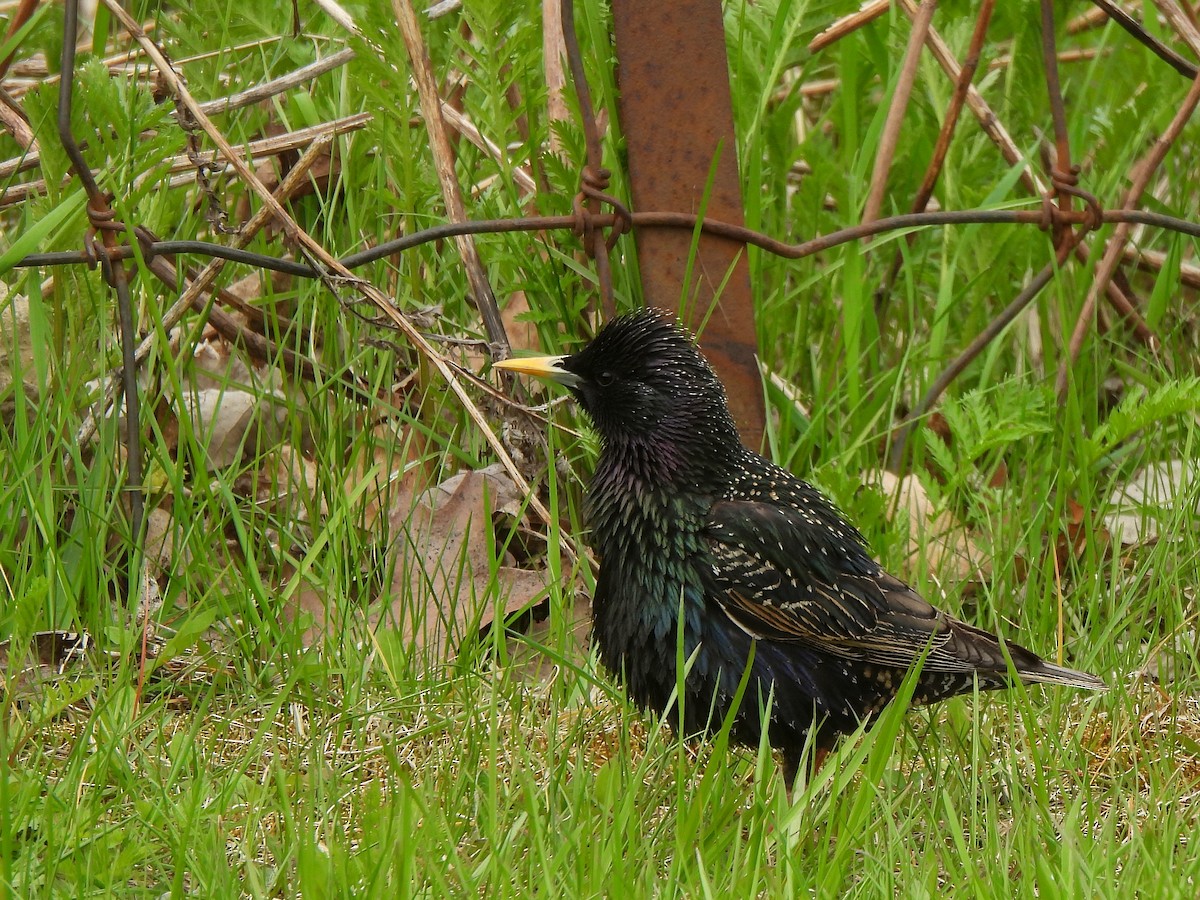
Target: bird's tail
[1048, 673]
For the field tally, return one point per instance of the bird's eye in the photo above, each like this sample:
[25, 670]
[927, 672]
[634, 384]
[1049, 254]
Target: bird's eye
[605, 378]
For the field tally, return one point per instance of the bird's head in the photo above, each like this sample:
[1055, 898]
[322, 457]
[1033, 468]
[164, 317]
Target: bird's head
[645, 385]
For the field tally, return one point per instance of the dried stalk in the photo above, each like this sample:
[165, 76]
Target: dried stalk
[870, 11]
[443, 159]
[895, 117]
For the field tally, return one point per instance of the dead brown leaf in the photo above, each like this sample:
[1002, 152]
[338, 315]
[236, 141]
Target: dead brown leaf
[1147, 500]
[522, 334]
[935, 536]
[447, 585]
[224, 418]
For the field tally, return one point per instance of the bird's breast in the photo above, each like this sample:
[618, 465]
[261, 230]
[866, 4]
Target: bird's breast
[648, 583]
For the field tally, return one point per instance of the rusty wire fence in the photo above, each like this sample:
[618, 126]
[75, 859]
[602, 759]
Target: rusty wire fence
[1066, 209]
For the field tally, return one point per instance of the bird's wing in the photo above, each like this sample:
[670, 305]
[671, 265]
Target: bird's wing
[782, 576]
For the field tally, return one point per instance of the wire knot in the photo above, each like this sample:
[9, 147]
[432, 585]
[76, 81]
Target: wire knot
[593, 190]
[1054, 218]
[100, 219]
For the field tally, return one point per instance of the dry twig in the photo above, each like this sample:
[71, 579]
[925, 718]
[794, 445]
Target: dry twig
[895, 116]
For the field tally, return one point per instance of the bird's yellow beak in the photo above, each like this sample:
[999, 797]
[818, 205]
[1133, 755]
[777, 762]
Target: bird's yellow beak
[542, 367]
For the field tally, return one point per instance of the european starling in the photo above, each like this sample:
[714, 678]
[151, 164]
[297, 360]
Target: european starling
[693, 529]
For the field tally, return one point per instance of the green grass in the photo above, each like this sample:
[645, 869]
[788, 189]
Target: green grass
[253, 764]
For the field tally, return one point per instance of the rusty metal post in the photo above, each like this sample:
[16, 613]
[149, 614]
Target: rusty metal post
[676, 115]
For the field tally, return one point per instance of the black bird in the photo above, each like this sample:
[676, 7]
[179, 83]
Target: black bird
[694, 529]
